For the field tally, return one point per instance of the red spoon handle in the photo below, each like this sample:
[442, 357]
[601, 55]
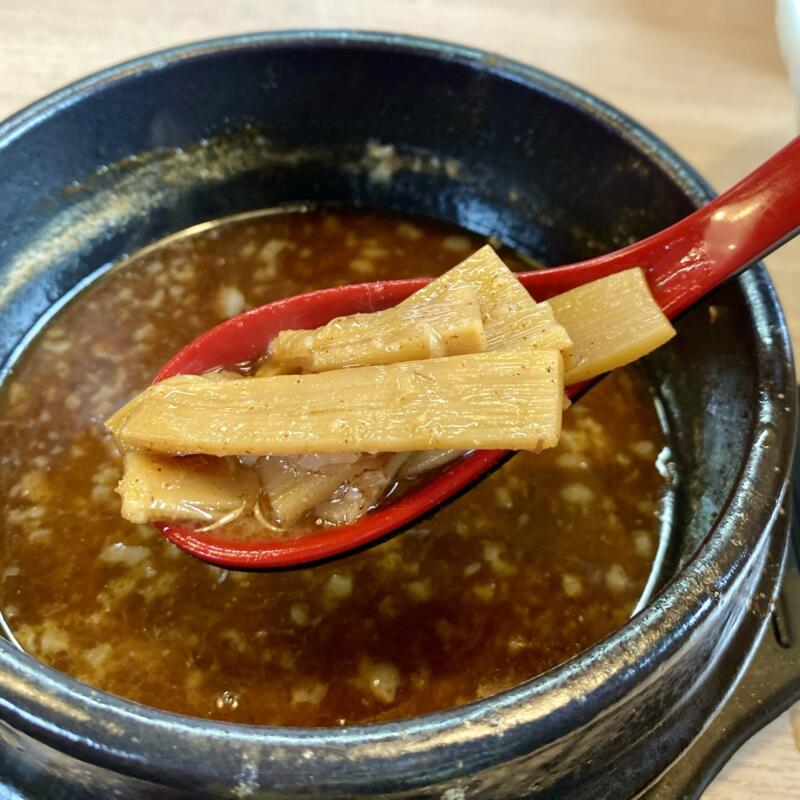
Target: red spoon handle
[687, 260]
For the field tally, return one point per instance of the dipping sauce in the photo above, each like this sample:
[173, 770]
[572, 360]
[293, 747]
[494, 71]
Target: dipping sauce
[528, 568]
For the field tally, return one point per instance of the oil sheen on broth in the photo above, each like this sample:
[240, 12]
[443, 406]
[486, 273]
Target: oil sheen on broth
[528, 568]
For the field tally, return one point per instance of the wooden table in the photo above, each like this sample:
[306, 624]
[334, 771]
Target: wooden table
[705, 75]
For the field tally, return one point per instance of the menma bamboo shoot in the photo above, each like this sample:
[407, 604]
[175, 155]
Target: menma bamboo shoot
[449, 325]
[511, 317]
[198, 489]
[506, 399]
[437, 320]
[612, 322]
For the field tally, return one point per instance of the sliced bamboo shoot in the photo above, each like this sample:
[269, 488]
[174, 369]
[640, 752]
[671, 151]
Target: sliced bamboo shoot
[165, 488]
[507, 399]
[612, 322]
[427, 460]
[448, 325]
[293, 490]
[269, 366]
[510, 315]
[438, 320]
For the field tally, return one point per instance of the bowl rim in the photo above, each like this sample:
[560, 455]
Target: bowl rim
[138, 740]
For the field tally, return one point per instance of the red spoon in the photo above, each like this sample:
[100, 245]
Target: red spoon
[683, 264]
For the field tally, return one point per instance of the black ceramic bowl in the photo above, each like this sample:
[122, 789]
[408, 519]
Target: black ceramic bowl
[497, 147]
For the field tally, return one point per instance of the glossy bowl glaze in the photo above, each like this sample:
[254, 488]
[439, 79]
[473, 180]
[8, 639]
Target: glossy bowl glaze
[217, 128]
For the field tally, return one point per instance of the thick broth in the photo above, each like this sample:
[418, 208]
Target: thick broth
[533, 565]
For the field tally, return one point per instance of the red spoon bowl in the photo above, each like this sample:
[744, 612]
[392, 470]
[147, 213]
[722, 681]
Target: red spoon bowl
[683, 263]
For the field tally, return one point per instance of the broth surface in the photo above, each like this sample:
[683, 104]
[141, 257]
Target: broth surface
[528, 568]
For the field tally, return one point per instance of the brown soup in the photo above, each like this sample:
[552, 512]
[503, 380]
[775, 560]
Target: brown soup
[533, 565]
